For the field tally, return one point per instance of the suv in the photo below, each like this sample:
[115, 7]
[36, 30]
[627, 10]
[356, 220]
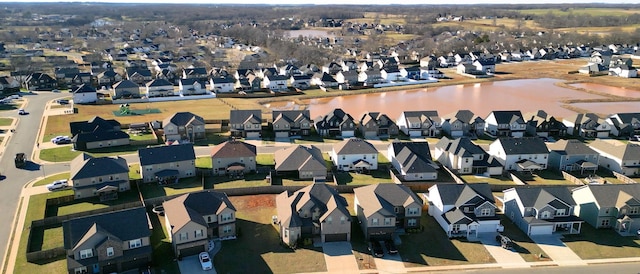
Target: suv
[391, 246]
[376, 248]
[20, 160]
[59, 184]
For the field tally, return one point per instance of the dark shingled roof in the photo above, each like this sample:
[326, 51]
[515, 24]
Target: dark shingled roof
[125, 225]
[241, 116]
[524, 145]
[508, 116]
[86, 166]
[233, 149]
[99, 135]
[182, 119]
[125, 84]
[571, 147]
[193, 206]
[460, 194]
[538, 197]
[166, 154]
[354, 146]
[614, 195]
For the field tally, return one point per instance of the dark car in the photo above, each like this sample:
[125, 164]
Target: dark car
[391, 247]
[377, 249]
[504, 241]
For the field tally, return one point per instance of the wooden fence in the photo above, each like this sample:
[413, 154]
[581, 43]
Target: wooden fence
[571, 178]
[624, 178]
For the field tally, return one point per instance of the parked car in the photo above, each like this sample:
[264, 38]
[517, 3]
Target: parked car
[63, 101]
[22, 112]
[59, 137]
[55, 90]
[391, 247]
[376, 248]
[20, 160]
[205, 261]
[59, 184]
[504, 241]
[63, 141]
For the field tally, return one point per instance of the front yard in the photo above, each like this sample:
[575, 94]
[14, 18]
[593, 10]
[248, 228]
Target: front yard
[594, 243]
[528, 249]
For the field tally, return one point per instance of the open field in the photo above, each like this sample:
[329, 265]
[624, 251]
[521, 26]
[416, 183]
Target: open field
[582, 11]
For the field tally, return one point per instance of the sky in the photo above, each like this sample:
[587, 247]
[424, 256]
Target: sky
[350, 2]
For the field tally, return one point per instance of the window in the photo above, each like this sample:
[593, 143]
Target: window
[227, 217]
[604, 223]
[412, 211]
[485, 212]
[342, 219]
[412, 222]
[387, 221]
[374, 221]
[560, 212]
[545, 215]
[329, 220]
[110, 251]
[135, 243]
[87, 253]
[227, 229]
[199, 233]
[80, 270]
[633, 210]
[183, 236]
[455, 228]
[209, 219]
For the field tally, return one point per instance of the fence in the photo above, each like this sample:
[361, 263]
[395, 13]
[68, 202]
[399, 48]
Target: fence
[624, 178]
[571, 178]
[515, 179]
[455, 177]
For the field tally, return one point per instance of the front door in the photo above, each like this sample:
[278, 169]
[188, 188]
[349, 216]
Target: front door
[96, 268]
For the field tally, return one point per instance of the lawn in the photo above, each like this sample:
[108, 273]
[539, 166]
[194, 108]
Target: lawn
[582, 11]
[142, 137]
[162, 248]
[259, 243]
[5, 122]
[186, 185]
[353, 178]
[496, 180]
[543, 177]
[249, 180]
[594, 243]
[67, 153]
[52, 178]
[528, 249]
[432, 247]
[91, 204]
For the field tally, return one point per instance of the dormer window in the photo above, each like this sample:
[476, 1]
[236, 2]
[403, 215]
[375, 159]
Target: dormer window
[560, 212]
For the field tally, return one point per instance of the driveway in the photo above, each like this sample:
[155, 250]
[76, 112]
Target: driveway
[191, 264]
[390, 263]
[507, 258]
[339, 258]
[553, 246]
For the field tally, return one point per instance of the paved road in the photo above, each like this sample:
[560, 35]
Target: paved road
[611, 268]
[22, 140]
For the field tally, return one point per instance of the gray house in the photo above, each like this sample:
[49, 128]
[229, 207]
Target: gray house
[412, 161]
[125, 89]
[609, 206]
[233, 158]
[245, 123]
[287, 123]
[102, 176]
[167, 164]
[183, 126]
[572, 155]
[303, 162]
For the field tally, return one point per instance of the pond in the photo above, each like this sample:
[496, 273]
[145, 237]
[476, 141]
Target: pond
[526, 95]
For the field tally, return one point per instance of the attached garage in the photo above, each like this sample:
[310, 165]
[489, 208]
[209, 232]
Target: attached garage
[338, 237]
[253, 135]
[348, 133]
[415, 133]
[541, 230]
[133, 264]
[282, 134]
[188, 251]
[370, 134]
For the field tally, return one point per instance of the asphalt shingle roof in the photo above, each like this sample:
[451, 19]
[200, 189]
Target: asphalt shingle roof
[166, 154]
[128, 224]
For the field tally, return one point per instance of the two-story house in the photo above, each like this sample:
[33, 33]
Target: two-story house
[541, 124]
[354, 154]
[624, 124]
[233, 158]
[193, 219]
[110, 242]
[572, 155]
[191, 87]
[97, 133]
[520, 154]
[609, 206]
[101, 176]
[159, 88]
[198, 73]
[412, 161]
[245, 123]
[336, 123]
[85, 94]
[125, 89]
[464, 210]
[588, 125]
[420, 123]
[385, 209]
[275, 82]
[464, 157]
[183, 126]
[377, 124]
[300, 81]
[316, 210]
[223, 84]
[40, 81]
[463, 123]
[139, 75]
[288, 123]
[505, 123]
[108, 78]
[167, 164]
[618, 156]
[542, 210]
[302, 162]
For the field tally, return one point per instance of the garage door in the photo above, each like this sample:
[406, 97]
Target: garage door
[340, 237]
[541, 230]
[282, 134]
[191, 251]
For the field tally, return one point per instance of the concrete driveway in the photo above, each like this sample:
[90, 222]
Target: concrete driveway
[339, 258]
[191, 264]
[507, 258]
[390, 263]
[553, 246]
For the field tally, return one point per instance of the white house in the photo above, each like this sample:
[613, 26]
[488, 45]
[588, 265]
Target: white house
[420, 123]
[191, 86]
[85, 94]
[159, 87]
[505, 123]
[222, 84]
[275, 82]
[520, 154]
[354, 154]
[618, 156]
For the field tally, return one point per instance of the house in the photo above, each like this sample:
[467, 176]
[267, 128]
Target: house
[466, 68]
[572, 155]
[505, 123]
[427, 73]
[331, 68]
[199, 73]
[159, 88]
[542, 210]
[275, 82]
[609, 206]
[587, 125]
[594, 69]
[385, 209]
[464, 210]
[316, 210]
[64, 75]
[324, 80]
[85, 94]
[349, 77]
[9, 84]
[419, 123]
[287, 123]
[233, 158]
[98, 176]
[336, 123]
[486, 66]
[109, 242]
[222, 84]
[193, 219]
[376, 124]
[167, 164]
[618, 156]
[412, 161]
[108, 78]
[624, 71]
[391, 73]
[139, 75]
[302, 162]
[125, 89]
[464, 157]
[300, 81]
[624, 124]
[40, 81]
[183, 126]
[371, 77]
[544, 125]
[245, 123]
[520, 154]
[191, 86]
[463, 123]
[97, 133]
[354, 154]
[81, 79]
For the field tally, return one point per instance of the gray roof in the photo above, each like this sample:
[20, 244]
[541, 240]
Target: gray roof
[460, 194]
[538, 197]
[508, 116]
[462, 147]
[125, 225]
[99, 135]
[614, 195]
[191, 207]
[166, 154]
[524, 145]
[241, 116]
[571, 147]
[125, 84]
[183, 119]
[188, 82]
[323, 197]
[159, 83]
[291, 115]
[299, 158]
[86, 166]
[233, 149]
[620, 150]
[354, 146]
[383, 198]
[414, 161]
[84, 88]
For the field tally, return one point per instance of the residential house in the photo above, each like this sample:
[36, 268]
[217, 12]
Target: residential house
[85, 94]
[139, 75]
[463, 123]
[233, 158]
[8, 84]
[316, 210]
[40, 81]
[572, 156]
[349, 77]
[486, 66]
[108, 78]
[371, 77]
[587, 125]
[199, 73]
[420, 123]
[385, 209]
[391, 73]
[191, 86]
[540, 210]
[167, 164]
[617, 156]
[624, 124]
[594, 69]
[98, 176]
[183, 126]
[624, 71]
[245, 123]
[223, 84]
[412, 161]
[331, 68]
[544, 125]
[110, 242]
[376, 124]
[64, 75]
[275, 82]
[505, 123]
[324, 80]
[354, 154]
[302, 162]
[464, 157]
[429, 73]
[287, 123]
[336, 123]
[125, 89]
[520, 154]
[159, 88]
[609, 206]
[193, 219]
[81, 79]
[300, 81]
[464, 210]
[97, 133]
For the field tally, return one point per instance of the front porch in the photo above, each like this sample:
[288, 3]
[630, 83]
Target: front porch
[567, 227]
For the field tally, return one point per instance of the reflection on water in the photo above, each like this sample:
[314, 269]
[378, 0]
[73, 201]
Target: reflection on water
[526, 95]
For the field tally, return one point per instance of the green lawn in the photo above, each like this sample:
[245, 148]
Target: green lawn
[352, 178]
[142, 137]
[528, 249]
[497, 180]
[59, 154]
[53, 238]
[91, 204]
[52, 178]
[5, 122]
[543, 177]
[186, 185]
[250, 180]
[265, 159]
[162, 248]
[594, 243]
[203, 162]
[134, 172]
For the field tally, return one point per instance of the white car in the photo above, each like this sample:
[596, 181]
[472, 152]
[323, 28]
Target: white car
[58, 138]
[205, 261]
[59, 184]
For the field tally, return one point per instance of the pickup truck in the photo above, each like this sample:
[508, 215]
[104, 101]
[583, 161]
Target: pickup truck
[59, 184]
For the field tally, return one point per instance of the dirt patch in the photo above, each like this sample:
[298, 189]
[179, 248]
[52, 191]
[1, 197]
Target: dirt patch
[253, 201]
